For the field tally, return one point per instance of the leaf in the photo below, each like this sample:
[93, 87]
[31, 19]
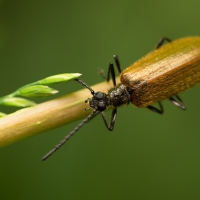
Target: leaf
[17, 102]
[36, 91]
[60, 78]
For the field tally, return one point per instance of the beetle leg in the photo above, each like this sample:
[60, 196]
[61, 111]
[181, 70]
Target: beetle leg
[177, 102]
[117, 63]
[110, 127]
[102, 73]
[154, 109]
[111, 70]
[161, 42]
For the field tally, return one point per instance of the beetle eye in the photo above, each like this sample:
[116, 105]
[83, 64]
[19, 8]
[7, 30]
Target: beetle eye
[99, 95]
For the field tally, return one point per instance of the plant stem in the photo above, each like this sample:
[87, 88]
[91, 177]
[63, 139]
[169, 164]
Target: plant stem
[31, 121]
[15, 93]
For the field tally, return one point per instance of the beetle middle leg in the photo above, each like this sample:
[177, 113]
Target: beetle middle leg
[157, 110]
[111, 125]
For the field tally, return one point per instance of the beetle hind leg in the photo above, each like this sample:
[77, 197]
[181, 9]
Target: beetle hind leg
[176, 100]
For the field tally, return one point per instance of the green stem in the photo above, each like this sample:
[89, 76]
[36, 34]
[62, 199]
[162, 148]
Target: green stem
[15, 93]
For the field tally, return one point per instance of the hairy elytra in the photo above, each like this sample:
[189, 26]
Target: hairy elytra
[164, 72]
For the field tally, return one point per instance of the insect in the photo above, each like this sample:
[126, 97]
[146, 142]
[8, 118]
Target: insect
[163, 73]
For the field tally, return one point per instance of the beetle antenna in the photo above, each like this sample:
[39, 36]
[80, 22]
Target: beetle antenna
[62, 142]
[85, 85]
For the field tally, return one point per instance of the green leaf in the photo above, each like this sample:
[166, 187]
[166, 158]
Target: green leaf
[17, 101]
[36, 91]
[60, 78]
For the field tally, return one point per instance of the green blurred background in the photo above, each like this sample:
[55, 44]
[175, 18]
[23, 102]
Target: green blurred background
[147, 156]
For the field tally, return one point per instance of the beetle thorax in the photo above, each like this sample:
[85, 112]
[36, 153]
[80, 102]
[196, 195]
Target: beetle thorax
[119, 95]
[116, 97]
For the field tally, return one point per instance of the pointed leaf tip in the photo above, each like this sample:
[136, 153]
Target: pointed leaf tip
[60, 78]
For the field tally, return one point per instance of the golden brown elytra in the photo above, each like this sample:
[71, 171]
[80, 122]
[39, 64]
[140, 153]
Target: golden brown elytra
[164, 72]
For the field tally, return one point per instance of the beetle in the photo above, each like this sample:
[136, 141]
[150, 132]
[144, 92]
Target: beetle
[163, 73]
